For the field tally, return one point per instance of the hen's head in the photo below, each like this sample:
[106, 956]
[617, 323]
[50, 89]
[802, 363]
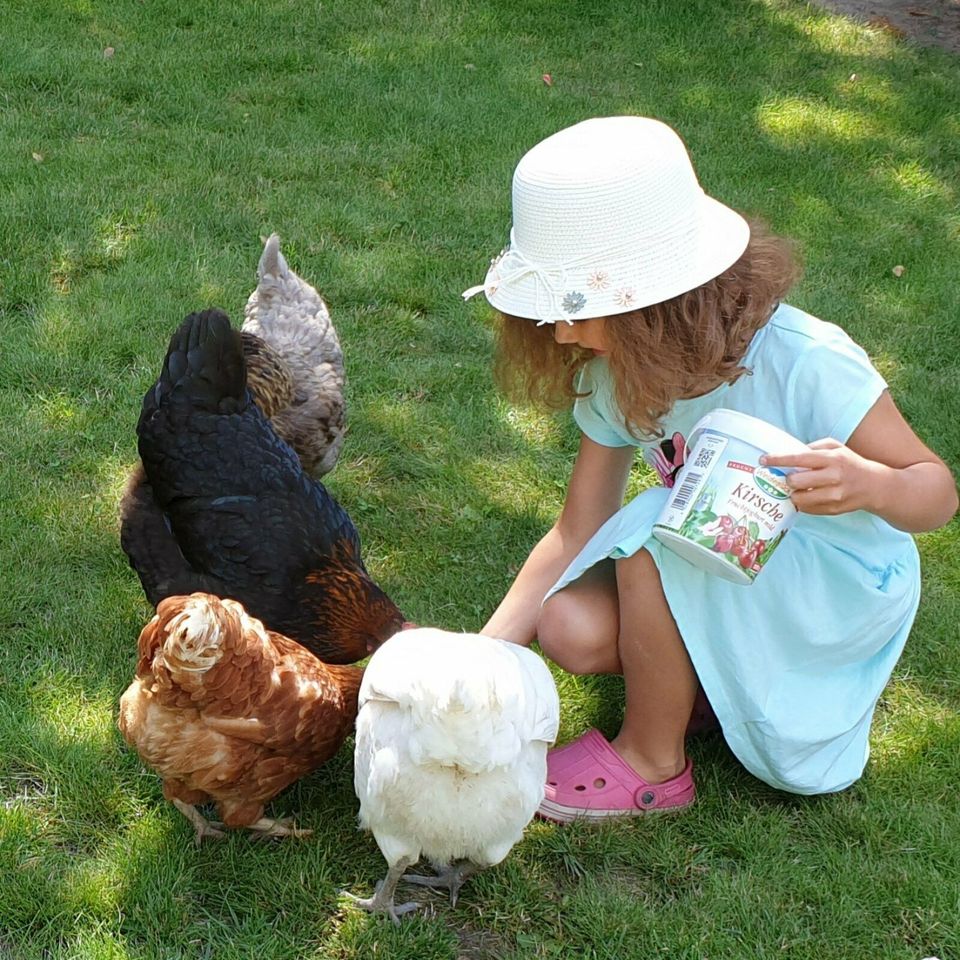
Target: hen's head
[351, 617]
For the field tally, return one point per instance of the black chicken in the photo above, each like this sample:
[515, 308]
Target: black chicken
[222, 505]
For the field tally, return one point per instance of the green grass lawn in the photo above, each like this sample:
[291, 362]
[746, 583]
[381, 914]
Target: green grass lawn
[148, 145]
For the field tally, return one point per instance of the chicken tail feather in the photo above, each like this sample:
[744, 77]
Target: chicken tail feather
[204, 365]
[272, 262]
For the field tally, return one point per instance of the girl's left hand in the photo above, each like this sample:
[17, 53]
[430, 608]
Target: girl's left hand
[830, 479]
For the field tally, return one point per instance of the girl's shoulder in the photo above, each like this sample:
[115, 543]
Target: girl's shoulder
[795, 345]
[808, 376]
[797, 331]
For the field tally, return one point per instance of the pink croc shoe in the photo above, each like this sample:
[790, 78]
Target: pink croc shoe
[587, 779]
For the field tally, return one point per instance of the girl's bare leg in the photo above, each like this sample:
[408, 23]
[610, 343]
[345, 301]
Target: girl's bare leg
[660, 682]
[615, 619]
[578, 627]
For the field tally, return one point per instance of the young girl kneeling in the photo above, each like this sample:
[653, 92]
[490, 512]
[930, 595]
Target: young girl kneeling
[628, 291]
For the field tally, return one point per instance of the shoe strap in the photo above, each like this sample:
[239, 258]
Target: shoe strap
[650, 795]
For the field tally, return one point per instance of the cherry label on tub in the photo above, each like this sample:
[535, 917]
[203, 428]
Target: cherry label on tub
[727, 513]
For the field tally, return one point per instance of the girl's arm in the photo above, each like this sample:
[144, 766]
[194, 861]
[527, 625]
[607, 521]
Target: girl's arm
[595, 493]
[884, 468]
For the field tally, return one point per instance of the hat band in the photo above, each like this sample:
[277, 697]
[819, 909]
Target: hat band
[551, 282]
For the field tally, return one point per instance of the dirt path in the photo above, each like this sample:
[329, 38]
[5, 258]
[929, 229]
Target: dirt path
[929, 22]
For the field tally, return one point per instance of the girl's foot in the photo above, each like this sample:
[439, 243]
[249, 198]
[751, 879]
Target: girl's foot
[588, 779]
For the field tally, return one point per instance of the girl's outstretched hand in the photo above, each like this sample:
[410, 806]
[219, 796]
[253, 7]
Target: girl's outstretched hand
[830, 479]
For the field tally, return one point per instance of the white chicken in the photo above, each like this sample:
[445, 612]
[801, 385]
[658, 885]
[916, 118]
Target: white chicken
[450, 760]
[288, 314]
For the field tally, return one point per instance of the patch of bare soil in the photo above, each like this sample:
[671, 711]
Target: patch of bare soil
[934, 23]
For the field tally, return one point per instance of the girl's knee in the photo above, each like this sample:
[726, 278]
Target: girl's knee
[563, 653]
[570, 643]
[553, 634]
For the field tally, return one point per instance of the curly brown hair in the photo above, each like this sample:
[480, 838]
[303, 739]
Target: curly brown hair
[669, 351]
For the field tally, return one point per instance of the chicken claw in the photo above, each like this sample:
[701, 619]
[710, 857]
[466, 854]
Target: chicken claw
[201, 825]
[266, 827]
[450, 878]
[382, 899]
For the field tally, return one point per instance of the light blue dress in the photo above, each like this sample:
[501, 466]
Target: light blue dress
[794, 663]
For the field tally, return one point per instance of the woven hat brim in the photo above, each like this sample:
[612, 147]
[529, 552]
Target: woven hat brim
[621, 282]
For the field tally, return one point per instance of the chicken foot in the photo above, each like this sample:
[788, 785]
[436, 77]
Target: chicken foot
[267, 827]
[201, 825]
[450, 878]
[382, 899]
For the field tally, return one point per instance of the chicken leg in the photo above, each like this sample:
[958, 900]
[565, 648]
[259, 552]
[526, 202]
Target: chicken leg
[267, 827]
[201, 825]
[382, 899]
[264, 827]
[451, 878]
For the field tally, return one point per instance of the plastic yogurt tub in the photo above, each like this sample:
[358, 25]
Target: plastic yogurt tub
[726, 513]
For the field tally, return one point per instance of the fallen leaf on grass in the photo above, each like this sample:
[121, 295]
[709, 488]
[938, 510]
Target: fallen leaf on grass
[37, 157]
[108, 52]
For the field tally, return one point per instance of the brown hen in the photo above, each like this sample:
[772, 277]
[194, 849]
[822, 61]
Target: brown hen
[228, 712]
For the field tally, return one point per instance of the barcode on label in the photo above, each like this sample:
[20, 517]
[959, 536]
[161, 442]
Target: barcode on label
[682, 497]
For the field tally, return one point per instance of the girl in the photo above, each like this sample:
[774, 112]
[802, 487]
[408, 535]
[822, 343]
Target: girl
[628, 290]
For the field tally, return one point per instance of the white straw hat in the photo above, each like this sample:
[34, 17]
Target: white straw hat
[608, 216]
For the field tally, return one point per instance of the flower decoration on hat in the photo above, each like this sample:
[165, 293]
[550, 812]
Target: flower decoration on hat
[598, 280]
[573, 302]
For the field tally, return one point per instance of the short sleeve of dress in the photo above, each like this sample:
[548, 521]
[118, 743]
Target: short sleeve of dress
[833, 386]
[593, 413]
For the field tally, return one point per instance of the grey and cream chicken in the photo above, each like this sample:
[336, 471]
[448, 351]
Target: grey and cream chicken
[287, 323]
